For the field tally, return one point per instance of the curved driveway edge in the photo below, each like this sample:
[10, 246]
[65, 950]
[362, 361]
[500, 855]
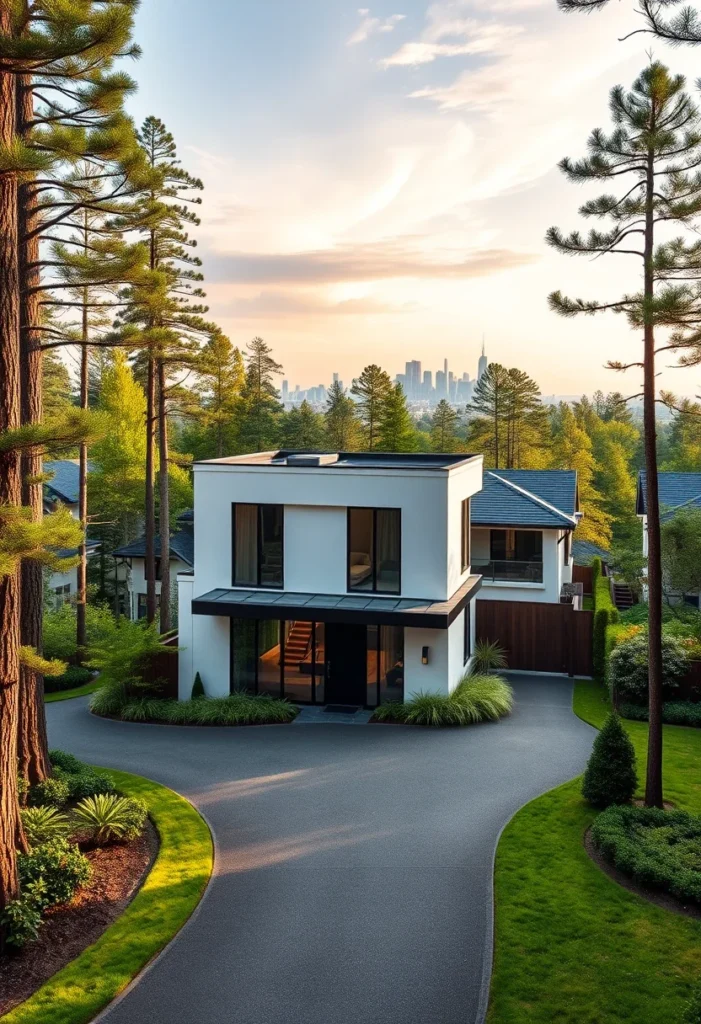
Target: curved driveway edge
[353, 879]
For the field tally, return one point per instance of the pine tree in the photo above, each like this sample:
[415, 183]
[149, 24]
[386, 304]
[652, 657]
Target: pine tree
[611, 776]
[656, 142]
[261, 403]
[56, 386]
[572, 449]
[396, 432]
[684, 26]
[217, 400]
[303, 428]
[507, 420]
[444, 428]
[371, 389]
[342, 427]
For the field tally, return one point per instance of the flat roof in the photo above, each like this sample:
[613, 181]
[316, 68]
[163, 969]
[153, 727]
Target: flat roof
[344, 460]
[370, 609]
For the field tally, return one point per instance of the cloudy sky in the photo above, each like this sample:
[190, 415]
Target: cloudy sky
[379, 180]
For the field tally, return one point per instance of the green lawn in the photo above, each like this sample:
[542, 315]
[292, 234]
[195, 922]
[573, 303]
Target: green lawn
[572, 947]
[166, 900]
[79, 691]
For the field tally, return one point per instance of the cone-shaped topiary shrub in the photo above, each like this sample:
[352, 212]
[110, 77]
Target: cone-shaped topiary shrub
[197, 688]
[611, 776]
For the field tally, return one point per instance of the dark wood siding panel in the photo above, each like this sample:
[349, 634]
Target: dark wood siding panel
[538, 637]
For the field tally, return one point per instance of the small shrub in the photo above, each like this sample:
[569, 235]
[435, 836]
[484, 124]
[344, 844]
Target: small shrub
[108, 818]
[611, 777]
[82, 779]
[475, 699]
[692, 1014]
[21, 918]
[42, 824]
[489, 657]
[109, 700]
[661, 849]
[628, 667]
[73, 677]
[61, 866]
[198, 688]
[52, 792]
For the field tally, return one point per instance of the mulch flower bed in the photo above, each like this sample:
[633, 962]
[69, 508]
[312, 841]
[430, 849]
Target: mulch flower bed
[118, 872]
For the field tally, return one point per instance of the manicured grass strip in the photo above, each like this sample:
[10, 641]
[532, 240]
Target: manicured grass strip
[166, 900]
[79, 691]
[572, 946]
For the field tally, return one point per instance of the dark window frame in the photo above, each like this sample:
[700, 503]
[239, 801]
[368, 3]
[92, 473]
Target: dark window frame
[467, 639]
[506, 530]
[568, 547]
[465, 545]
[259, 505]
[373, 557]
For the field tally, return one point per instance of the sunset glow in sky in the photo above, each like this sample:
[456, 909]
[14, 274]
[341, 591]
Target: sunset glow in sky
[379, 180]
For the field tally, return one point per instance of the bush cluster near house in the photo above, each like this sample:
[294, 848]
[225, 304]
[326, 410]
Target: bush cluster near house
[628, 666]
[605, 615]
[660, 849]
[475, 699]
[72, 811]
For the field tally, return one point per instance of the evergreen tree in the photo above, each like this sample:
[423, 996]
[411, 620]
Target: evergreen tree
[683, 450]
[396, 432]
[444, 428]
[261, 403]
[218, 400]
[573, 449]
[56, 386]
[611, 776]
[507, 421]
[342, 427]
[656, 142]
[303, 428]
[673, 20]
[371, 388]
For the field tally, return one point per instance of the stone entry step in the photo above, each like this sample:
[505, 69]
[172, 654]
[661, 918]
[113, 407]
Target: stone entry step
[320, 716]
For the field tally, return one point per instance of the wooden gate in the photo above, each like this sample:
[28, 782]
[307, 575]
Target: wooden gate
[539, 637]
[583, 574]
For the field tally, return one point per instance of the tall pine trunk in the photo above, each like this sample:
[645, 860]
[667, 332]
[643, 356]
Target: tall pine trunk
[150, 532]
[10, 494]
[33, 749]
[82, 600]
[164, 497]
[653, 786]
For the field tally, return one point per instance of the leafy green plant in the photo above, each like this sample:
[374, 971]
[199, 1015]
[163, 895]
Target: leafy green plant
[121, 658]
[692, 1014]
[475, 699]
[51, 792]
[198, 687]
[611, 776]
[657, 848]
[108, 818]
[42, 824]
[21, 918]
[59, 629]
[61, 866]
[82, 779]
[628, 667]
[488, 657]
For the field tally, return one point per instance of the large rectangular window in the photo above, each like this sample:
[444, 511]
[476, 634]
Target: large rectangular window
[465, 535]
[375, 550]
[515, 555]
[257, 545]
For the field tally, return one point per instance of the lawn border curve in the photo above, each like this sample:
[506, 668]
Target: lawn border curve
[105, 971]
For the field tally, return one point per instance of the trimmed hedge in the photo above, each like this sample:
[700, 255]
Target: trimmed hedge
[673, 713]
[661, 849]
[605, 614]
[71, 679]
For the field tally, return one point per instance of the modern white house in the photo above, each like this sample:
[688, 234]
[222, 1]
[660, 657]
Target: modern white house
[133, 555]
[62, 488]
[523, 521]
[337, 579]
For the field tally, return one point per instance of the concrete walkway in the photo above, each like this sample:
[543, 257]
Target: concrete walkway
[353, 873]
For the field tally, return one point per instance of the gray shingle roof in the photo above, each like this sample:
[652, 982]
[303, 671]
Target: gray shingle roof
[182, 546]
[527, 497]
[64, 484]
[675, 489]
[584, 550]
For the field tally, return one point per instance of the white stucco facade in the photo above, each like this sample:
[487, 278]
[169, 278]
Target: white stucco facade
[136, 582]
[316, 500]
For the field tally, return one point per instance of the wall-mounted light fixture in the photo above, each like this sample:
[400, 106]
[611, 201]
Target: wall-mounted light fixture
[424, 655]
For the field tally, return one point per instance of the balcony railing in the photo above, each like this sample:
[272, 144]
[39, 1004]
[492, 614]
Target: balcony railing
[508, 570]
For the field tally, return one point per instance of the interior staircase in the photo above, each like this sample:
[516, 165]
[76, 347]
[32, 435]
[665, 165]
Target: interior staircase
[622, 596]
[298, 644]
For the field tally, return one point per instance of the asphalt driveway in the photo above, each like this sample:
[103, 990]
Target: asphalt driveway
[353, 872]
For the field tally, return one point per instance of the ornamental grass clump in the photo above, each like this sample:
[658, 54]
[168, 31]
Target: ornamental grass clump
[660, 849]
[108, 818]
[611, 776]
[235, 709]
[475, 699]
[42, 824]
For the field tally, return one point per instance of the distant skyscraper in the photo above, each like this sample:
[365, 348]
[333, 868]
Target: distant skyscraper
[427, 384]
[413, 379]
[483, 362]
[441, 385]
[285, 391]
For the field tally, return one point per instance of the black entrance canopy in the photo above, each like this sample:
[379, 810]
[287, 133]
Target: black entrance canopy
[369, 610]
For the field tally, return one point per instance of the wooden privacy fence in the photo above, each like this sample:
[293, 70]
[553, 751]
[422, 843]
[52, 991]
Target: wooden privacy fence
[162, 669]
[539, 637]
[583, 574]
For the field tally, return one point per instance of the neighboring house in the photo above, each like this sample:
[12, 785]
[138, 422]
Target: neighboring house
[134, 554]
[676, 491]
[63, 488]
[330, 578]
[522, 526]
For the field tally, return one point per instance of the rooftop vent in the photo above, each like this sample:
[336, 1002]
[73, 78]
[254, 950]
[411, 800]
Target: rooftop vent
[309, 459]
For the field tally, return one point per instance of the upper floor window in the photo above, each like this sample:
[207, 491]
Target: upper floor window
[375, 550]
[465, 535]
[257, 545]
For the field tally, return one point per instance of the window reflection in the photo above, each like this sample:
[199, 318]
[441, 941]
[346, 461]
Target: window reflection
[271, 545]
[319, 661]
[269, 657]
[389, 525]
[372, 665]
[243, 643]
[360, 575]
[298, 661]
[391, 663]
